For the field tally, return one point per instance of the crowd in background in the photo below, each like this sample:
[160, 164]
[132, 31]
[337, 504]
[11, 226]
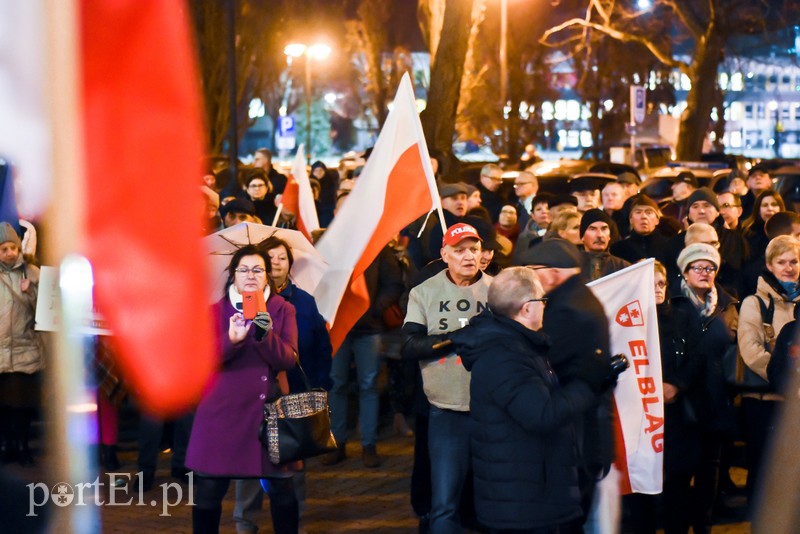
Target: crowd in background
[447, 299]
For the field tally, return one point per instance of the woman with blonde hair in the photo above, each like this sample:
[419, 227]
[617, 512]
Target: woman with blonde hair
[761, 319]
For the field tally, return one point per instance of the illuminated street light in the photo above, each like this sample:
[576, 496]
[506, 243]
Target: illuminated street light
[318, 51]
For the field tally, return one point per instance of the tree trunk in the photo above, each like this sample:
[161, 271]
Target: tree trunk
[700, 99]
[439, 117]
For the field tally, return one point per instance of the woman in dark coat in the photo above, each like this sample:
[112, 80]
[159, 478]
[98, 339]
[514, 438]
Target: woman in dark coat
[712, 325]
[224, 442]
[524, 448]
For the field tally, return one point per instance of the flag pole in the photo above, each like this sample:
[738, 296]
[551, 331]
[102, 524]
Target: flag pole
[71, 409]
[277, 215]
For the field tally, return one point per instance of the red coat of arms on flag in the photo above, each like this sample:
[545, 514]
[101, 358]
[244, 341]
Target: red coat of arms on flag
[630, 315]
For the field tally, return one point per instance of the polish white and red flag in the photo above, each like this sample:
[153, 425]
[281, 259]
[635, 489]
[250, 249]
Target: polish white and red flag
[395, 187]
[298, 199]
[629, 302]
[129, 103]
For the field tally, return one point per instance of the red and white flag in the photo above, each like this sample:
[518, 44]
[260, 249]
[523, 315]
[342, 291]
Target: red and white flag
[629, 302]
[138, 125]
[298, 198]
[395, 187]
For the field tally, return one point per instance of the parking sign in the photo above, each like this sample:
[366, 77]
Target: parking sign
[637, 104]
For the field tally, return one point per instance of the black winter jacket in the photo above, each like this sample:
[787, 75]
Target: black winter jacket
[524, 450]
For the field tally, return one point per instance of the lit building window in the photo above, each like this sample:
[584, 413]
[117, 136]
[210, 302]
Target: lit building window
[686, 83]
[586, 138]
[573, 138]
[737, 81]
[586, 113]
[573, 110]
[547, 110]
[561, 110]
[735, 139]
[736, 111]
[723, 81]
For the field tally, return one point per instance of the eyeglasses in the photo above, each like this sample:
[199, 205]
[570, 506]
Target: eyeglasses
[543, 300]
[494, 178]
[257, 186]
[708, 270]
[520, 184]
[255, 270]
[661, 285]
[728, 205]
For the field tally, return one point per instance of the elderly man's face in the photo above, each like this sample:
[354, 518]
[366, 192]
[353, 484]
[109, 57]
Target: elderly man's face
[462, 259]
[587, 200]
[597, 237]
[456, 204]
[613, 197]
[703, 211]
[644, 220]
[492, 179]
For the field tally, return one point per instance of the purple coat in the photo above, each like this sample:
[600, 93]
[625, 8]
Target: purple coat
[224, 441]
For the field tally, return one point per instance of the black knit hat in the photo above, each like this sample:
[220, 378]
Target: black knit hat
[704, 193]
[556, 253]
[593, 216]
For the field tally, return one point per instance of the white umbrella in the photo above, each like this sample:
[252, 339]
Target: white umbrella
[307, 269]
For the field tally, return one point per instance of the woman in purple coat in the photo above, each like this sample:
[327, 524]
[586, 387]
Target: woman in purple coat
[224, 444]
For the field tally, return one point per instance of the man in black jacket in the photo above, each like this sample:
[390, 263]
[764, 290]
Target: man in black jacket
[524, 458]
[597, 229]
[572, 308]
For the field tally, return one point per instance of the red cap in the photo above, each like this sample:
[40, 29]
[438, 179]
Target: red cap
[459, 232]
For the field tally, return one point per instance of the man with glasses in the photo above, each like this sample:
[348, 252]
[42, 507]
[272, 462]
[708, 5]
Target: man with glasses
[506, 354]
[572, 307]
[493, 194]
[525, 187]
[730, 207]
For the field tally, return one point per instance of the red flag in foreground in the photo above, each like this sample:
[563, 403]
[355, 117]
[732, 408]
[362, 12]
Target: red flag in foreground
[143, 149]
[396, 186]
[629, 302]
[298, 198]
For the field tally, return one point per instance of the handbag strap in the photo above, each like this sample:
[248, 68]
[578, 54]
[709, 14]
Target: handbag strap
[303, 374]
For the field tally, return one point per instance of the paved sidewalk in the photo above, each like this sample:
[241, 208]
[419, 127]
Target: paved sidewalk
[346, 498]
[343, 498]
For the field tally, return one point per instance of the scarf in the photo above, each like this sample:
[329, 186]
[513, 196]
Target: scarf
[792, 289]
[707, 306]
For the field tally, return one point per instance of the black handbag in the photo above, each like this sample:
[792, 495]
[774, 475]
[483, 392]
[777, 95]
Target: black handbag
[737, 374]
[297, 426]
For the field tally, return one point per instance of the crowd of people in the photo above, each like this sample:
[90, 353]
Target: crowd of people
[476, 317]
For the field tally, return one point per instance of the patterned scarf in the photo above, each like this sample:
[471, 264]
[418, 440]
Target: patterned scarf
[707, 306]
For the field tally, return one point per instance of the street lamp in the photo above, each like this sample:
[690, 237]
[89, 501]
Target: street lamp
[318, 51]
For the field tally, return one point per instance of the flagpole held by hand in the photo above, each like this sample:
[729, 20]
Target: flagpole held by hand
[277, 214]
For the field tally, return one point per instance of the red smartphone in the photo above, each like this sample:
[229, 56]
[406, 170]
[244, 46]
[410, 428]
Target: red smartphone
[252, 303]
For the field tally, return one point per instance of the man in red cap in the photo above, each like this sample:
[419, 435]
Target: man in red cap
[443, 304]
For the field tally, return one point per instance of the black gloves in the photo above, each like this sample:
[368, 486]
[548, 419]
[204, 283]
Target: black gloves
[264, 323]
[596, 372]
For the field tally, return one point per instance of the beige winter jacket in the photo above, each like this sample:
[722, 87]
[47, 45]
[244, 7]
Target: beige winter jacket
[753, 339]
[20, 346]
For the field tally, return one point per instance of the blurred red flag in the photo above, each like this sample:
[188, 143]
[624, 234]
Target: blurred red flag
[143, 143]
